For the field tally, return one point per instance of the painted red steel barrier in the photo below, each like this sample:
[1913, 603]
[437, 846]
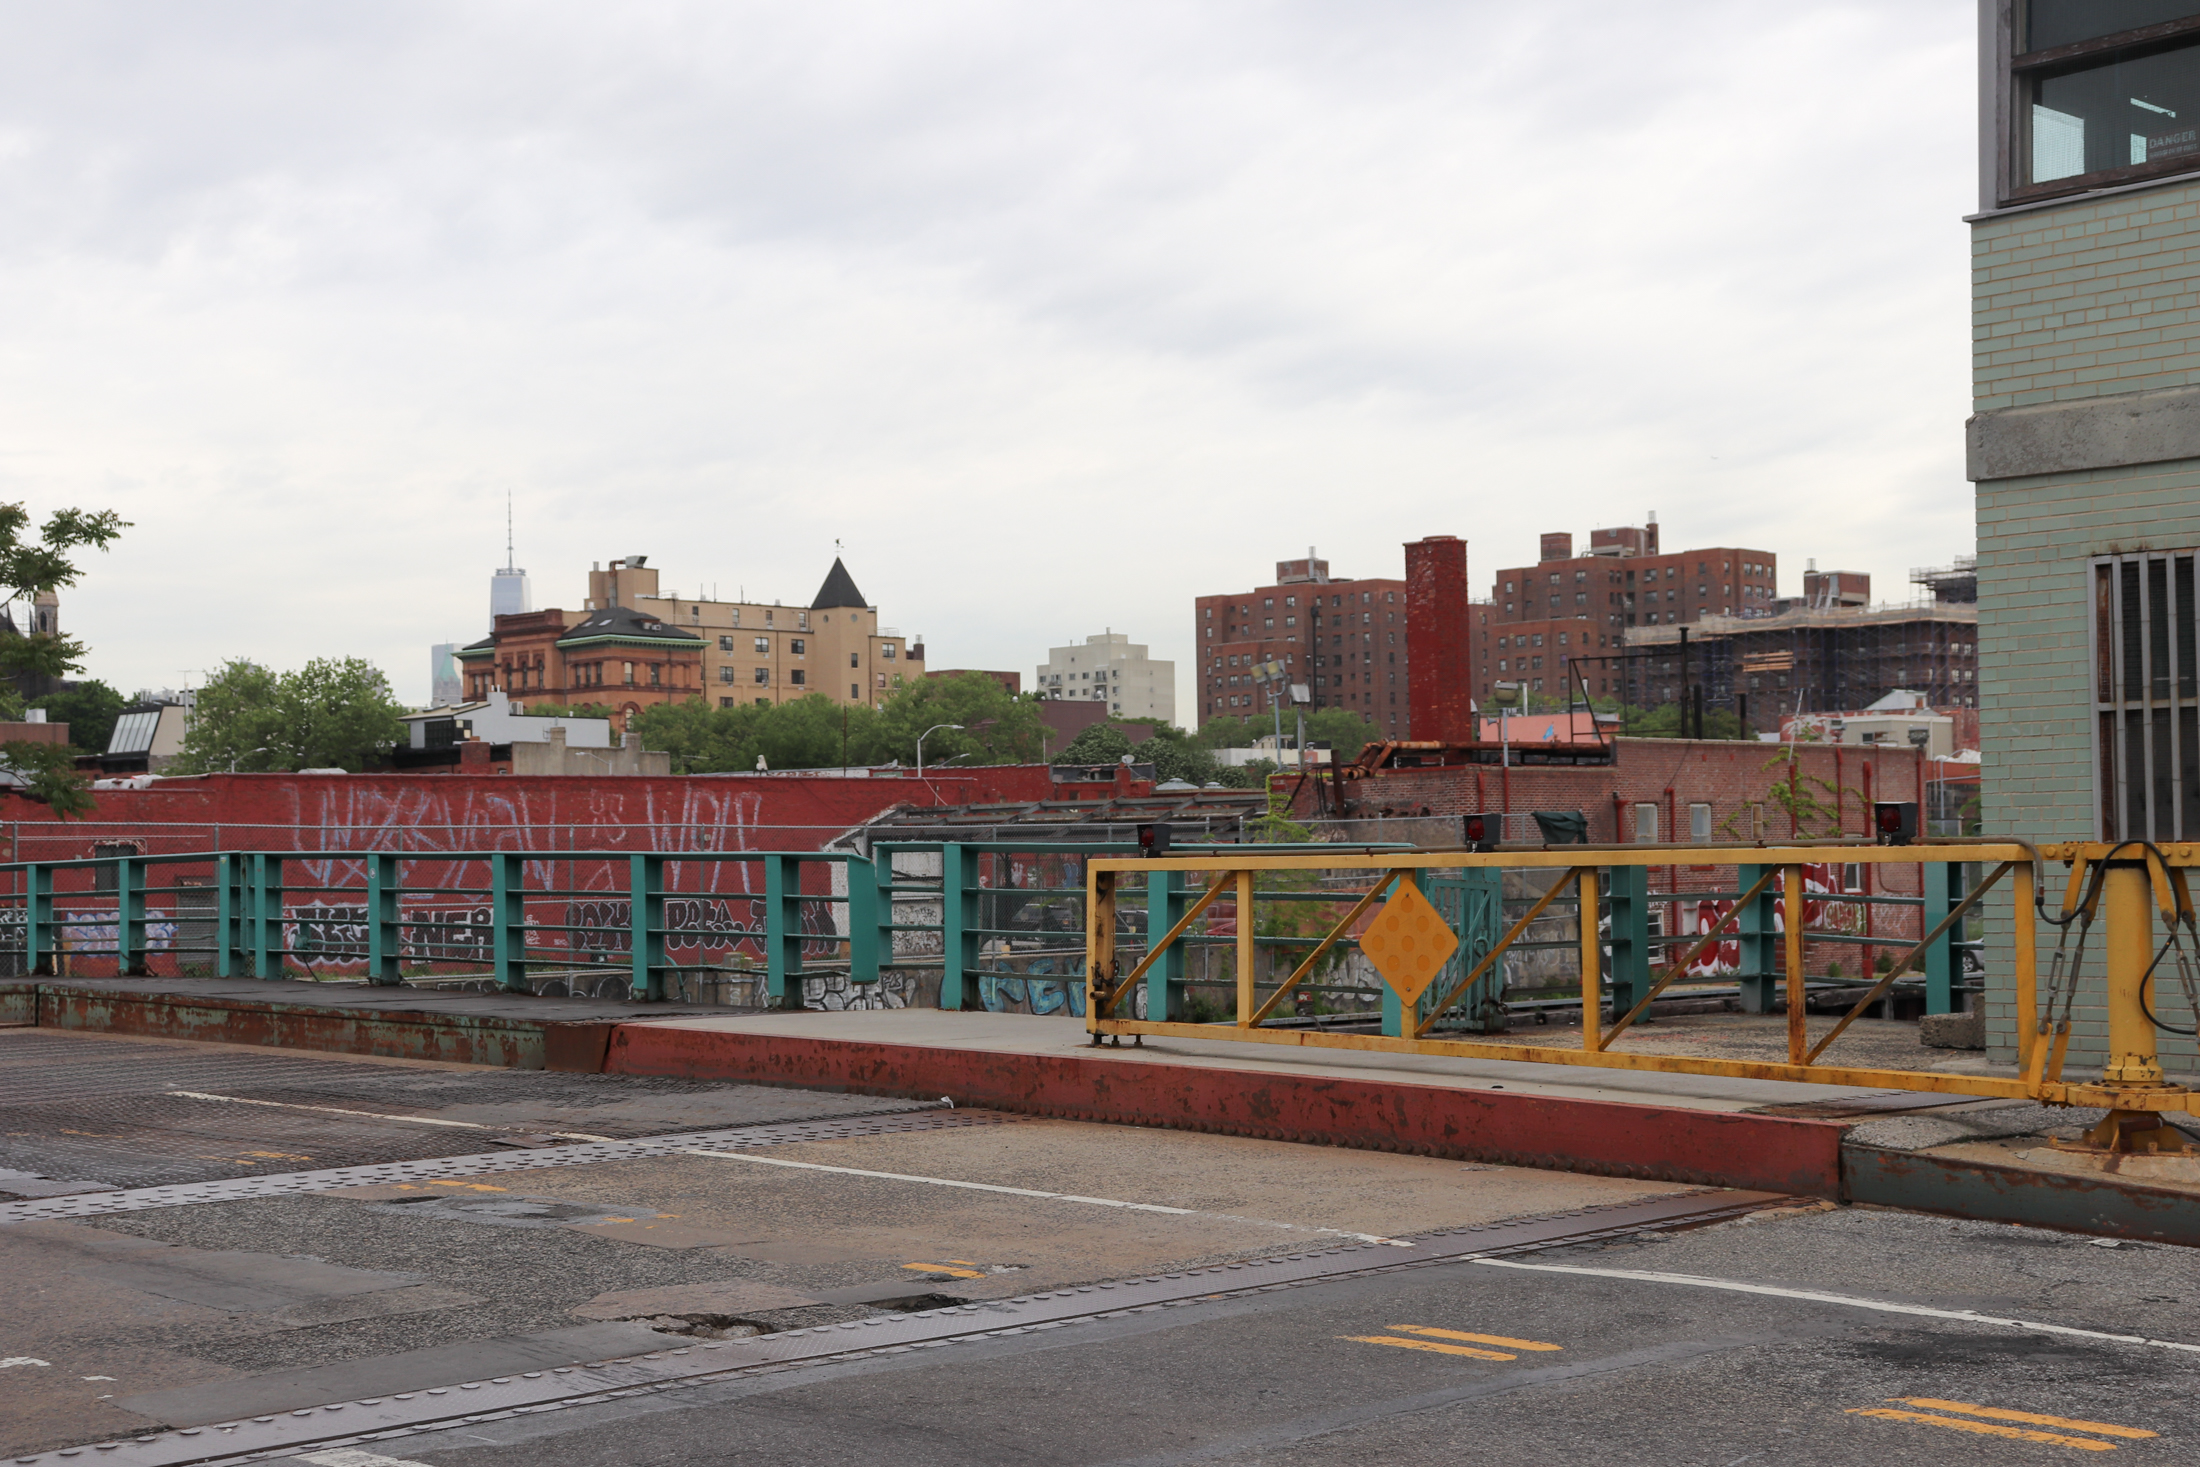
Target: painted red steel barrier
[1707, 1148]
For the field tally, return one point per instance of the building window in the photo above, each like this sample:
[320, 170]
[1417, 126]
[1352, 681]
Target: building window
[887, 651]
[725, 674]
[1646, 824]
[763, 646]
[654, 671]
[798, 677]
[797, 646]
[1699, 824]
[629, 673]
[725, 644]
[855, 690]
[2146, 739]
[2098, 94]
[763, 674]
[854, 661]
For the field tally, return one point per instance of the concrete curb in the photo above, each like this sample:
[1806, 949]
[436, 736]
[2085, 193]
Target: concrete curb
[1703, 1148]
[390, 1032]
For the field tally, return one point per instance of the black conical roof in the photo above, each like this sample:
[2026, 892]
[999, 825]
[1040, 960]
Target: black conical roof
[839, 589]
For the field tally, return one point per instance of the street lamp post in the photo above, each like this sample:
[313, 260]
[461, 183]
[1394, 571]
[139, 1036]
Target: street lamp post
[935, 728]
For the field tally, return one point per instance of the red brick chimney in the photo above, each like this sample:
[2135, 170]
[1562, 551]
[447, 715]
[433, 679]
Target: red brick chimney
[1439, 648]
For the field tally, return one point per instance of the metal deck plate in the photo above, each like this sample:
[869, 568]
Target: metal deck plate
[579, 1153]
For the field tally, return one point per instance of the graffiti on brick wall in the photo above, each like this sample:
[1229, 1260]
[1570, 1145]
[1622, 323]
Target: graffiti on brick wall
[702, 929]
[1818, 916]
[94, 932]
[1025, 993]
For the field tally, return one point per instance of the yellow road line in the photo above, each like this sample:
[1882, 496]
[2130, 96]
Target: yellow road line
[960, 1273]
[2029, 1418]
[1453, 1334]
[1981, 1428]
[1432, 1346]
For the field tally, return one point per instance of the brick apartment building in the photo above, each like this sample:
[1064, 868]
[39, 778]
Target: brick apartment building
[1345, 639]
[1626, 580]
[1541, 620]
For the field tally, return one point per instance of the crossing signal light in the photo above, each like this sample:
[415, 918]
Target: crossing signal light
[1896, 821]
[1153, 840]
[1481, 831]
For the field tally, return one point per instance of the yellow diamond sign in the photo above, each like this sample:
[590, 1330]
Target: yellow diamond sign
[1409, 942]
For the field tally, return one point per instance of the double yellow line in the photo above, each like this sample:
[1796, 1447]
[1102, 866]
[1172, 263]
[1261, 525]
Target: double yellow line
[1433, 1336]
[1992, 1414]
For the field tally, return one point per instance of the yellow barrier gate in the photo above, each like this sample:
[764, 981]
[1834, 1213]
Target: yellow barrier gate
[1408, 943]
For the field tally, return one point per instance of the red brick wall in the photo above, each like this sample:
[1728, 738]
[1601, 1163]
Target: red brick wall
[466, 811]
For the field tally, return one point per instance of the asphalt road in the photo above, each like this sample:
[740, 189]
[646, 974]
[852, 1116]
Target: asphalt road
[1544, 1363]
[1801, 1336]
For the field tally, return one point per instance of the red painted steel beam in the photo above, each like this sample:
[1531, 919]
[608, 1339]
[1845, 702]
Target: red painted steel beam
[1707, 1148]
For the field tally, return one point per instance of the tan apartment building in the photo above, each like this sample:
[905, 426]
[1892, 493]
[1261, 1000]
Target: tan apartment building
[761, 653]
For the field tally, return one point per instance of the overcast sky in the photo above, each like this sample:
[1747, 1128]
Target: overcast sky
[1056, 315]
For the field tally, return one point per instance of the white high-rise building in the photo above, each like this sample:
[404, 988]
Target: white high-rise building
[1110, 668]
[509, 593]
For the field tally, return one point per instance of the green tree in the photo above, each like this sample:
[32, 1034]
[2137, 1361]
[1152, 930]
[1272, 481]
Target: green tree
[998, 727]
[1664, 722]
[1345, 731]
[49, 773]
[1101, 743]
[1228, 731]
[89, 709]
[333, 713]
[28, 570]
[811, 732]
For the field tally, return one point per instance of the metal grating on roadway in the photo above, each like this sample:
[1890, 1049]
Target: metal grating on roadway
[581, 1153]
[410, 1413]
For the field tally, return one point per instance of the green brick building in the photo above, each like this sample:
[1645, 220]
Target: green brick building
[2084, 442]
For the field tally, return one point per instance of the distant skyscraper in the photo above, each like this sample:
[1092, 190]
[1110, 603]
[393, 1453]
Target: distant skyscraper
[443, 684]
[509, 593]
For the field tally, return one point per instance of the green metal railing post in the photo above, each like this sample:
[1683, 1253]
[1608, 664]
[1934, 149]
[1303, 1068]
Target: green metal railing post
[383, 936]
[882, 873]
[646, 915]
[959, 940]
[782, 929]
[266, 921]
[1944, 889]
[1165, 902]
[38, 943]
[863, 907]
[1763, 961]
[229, 910]
[508, 921]
[129, 917]
[1629, 889]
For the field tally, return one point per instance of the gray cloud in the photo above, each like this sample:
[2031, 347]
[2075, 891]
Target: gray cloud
[1057, 315]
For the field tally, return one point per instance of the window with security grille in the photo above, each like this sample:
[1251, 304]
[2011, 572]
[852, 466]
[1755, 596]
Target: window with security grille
[2146, 715]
